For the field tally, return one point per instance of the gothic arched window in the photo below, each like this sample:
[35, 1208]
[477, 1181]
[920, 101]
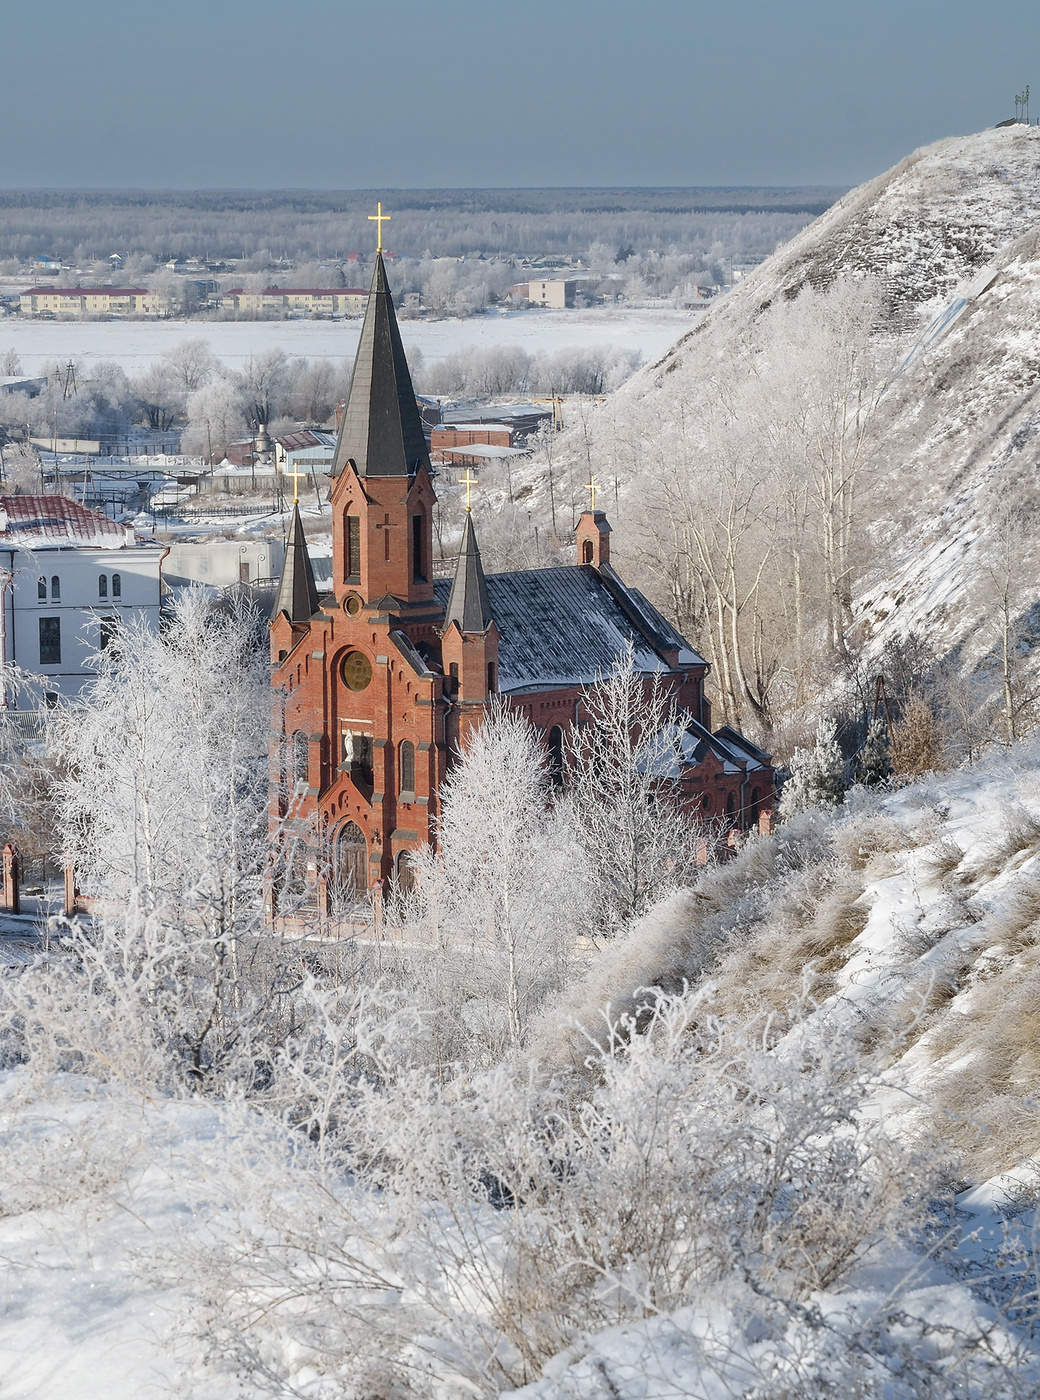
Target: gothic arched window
[117, 586]
[407, 767]
[492, 678]
[556, 755]
[586, 552]
[300, 755]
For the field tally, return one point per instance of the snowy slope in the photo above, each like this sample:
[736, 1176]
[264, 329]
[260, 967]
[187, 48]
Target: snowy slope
[951, 232]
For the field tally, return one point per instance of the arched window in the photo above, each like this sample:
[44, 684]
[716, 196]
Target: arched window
[556, 755]
[729, 806]
[492, 678]
[41, 589]
[405, 873]
[117, 586]
[102, 586]
[586, 552]
[55, 589]
[407, 762]
[300, 757]
[752, 811]
[707, 803]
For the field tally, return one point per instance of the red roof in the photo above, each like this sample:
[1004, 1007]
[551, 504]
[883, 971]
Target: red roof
[304, 291]
[41, 520]
[86, 291]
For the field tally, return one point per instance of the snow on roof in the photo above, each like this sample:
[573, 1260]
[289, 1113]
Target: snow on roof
[481, 449]
[56, 522]
[565, 627]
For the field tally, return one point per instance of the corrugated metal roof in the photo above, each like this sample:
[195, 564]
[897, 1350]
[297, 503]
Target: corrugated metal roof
[50, 522]
[565, 626]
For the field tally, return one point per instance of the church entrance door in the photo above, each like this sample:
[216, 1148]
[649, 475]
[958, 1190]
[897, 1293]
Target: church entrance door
[351, 869]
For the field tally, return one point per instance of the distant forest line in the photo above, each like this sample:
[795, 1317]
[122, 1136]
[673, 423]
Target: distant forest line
[81, 225]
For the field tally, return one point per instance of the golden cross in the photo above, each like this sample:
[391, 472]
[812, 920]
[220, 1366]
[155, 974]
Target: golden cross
[591, 486]
[379, 219]
[296, 474]
[469, 481]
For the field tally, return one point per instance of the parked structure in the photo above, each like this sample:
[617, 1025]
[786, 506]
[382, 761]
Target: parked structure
[68, 577]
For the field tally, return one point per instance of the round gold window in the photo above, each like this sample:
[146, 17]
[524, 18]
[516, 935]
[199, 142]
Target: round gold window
[356, 670]
[352, 604]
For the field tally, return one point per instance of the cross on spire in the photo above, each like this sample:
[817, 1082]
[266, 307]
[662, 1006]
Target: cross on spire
[296, 474]
[592, 486]
[379, 219]
[469, 481]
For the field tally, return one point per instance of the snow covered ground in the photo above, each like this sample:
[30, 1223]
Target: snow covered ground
[134, 344]
[155, 1245]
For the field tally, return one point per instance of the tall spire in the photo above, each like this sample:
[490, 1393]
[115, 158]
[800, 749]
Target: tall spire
[468, 604]
[381, 429]
[297, 592]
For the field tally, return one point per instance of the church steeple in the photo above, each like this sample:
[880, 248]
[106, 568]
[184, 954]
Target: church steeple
[468, 605]
[381, 430]
[297, 591]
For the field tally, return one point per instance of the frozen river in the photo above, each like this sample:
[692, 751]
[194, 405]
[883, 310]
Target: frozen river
[133, 344]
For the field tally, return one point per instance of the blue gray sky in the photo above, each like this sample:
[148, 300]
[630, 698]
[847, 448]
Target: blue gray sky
[333, 94]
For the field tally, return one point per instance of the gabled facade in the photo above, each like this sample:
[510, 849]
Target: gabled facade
[379, 680]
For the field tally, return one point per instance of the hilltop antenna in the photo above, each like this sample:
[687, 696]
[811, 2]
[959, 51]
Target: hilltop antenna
[1022, 105]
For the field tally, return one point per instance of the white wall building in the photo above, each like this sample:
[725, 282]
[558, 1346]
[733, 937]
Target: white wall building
[224, 563]
[69, 575]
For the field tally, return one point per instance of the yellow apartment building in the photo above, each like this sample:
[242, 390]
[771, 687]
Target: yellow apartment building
[93, 301]
[314, 301]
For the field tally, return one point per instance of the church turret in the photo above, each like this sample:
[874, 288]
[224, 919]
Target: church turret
[382, 493]
[469, 638]
[297, 591]
[593, 538]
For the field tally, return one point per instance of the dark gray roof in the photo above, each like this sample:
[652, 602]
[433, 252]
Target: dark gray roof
[381, 429]
[468, 604]
[565, 626]
[297, 593]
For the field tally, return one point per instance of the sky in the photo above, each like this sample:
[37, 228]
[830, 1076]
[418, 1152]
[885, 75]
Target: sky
[329, 94]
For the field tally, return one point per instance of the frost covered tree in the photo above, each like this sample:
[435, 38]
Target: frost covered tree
[623, 766]
[501, 900]
[817, 777]
[162, 809]
[874, 763]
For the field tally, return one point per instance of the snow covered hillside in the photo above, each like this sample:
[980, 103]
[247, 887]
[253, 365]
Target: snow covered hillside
[805, 1165]
[949, 237]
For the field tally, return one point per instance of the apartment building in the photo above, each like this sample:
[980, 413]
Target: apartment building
[313, 301]
[93, 301]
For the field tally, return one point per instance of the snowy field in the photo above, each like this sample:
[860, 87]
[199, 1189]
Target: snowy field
[134, 344]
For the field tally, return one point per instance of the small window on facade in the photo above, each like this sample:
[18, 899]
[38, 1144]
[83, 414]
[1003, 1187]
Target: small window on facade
[353, 540]
[102, 586]
[453, 678]
[729, 805]
[55, 589]
[117, 586]
[707, 802]
[41, 589]
[300, 757]
[50, 699]
[357, 756]
[107, 632]
[556, 755]
[407, 766]
[586, 552]
[50, 641]
[418, 564]
[492, 679]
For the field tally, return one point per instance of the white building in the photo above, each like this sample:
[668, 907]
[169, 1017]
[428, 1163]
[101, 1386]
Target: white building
[68, 575]
[224, 563]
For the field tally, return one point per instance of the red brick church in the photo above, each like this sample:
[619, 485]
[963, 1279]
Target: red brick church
[380, 678]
